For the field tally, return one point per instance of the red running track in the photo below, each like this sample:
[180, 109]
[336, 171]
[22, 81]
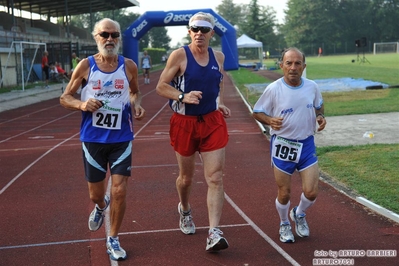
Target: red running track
[45, 206]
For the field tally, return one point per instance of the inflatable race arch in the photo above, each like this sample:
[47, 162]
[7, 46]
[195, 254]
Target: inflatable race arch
[151, 19]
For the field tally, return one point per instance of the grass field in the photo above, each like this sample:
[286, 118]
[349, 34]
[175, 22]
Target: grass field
[382, 67]
[368, 170]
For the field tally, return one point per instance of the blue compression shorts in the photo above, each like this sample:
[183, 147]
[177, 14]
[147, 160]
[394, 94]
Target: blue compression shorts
[98, 156]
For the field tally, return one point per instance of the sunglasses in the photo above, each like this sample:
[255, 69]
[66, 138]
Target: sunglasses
[105, 35]
[202, 29]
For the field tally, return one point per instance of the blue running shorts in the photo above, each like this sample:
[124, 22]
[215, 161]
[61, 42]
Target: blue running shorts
[290, 155]
[98, 156]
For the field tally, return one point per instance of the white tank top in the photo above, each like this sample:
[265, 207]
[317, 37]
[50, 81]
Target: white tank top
[113, 122]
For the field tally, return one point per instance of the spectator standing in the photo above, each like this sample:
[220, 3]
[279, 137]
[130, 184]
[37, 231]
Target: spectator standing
[75, 60]
[46, 68]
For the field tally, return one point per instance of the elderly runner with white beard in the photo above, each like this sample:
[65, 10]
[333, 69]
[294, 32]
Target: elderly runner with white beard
[109, 93]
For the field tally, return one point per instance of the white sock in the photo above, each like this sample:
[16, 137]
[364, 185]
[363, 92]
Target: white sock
[304, 204]
[283, 211]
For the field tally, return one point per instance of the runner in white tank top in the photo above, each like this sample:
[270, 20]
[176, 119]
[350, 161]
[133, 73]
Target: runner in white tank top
[110, 89]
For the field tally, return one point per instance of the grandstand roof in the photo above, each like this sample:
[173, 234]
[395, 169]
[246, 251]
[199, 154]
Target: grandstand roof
[59, 8]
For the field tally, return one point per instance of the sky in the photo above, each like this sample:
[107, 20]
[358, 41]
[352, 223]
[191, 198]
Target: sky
[177, 33]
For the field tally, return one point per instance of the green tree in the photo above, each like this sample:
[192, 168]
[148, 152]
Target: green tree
[385, 20]
[159, 38]
[336, 24]
[260, 23]
[231, 13]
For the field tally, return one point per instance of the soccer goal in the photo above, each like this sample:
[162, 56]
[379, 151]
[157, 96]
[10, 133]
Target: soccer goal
[386, 47]
[25, 55]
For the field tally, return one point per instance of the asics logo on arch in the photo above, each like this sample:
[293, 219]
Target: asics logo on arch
[176, 17]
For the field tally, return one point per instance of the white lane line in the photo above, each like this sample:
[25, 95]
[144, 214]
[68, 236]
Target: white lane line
[260, 232]
[158, 165]
[52, 121]
[38, 111]
[103, 239]
[152, 118]
[107, 212]
[34, 162]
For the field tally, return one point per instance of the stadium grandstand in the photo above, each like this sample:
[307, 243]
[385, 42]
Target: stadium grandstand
[20, 35]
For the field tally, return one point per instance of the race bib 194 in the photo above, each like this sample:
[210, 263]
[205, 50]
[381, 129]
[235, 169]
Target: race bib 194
[286, 150]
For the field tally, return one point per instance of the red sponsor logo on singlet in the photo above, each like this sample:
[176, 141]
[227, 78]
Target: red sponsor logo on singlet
[119, 84]
[96, 85]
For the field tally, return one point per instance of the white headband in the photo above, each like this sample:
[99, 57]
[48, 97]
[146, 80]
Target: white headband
[201, 23]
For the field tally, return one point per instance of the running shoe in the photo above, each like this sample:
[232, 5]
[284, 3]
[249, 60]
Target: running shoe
[301, 226]
[215, 241]
[286, 235]
[97, 216]
[114, 249]
[186, 223]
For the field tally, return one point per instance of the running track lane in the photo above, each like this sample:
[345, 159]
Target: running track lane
[45, 206]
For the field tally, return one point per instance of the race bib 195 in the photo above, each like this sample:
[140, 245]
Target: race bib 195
[286, 150]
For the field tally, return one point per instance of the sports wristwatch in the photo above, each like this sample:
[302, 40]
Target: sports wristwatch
[181, 97]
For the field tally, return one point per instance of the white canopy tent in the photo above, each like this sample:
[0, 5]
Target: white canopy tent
[246, 42]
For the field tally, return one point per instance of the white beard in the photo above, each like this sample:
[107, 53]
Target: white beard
[108, 51]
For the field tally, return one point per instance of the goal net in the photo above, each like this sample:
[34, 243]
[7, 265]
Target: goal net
[21, 58]
[386, 47]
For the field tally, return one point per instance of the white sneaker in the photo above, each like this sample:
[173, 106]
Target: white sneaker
[301, 226]
[97, 216]
[186, 223]
[215, 241]
[114, 249]
[286, 235]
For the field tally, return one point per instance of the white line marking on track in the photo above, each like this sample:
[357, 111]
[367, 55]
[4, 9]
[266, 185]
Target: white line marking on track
[152, 118]
[38, 111]
[159, 165]
[52, 121]
[103, 239]
[35, 161]
[107, 212]
[260, 232]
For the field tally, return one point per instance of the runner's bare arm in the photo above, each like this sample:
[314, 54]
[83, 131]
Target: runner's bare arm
[79, 76]
[175, 66]
[273, 122]
[222, 108]
[135, 94]
[320, 119]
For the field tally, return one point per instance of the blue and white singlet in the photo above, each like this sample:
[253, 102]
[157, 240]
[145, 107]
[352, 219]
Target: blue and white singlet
[112, 123]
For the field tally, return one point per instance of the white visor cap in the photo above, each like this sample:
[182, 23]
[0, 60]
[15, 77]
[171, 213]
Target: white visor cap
[201, 23]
